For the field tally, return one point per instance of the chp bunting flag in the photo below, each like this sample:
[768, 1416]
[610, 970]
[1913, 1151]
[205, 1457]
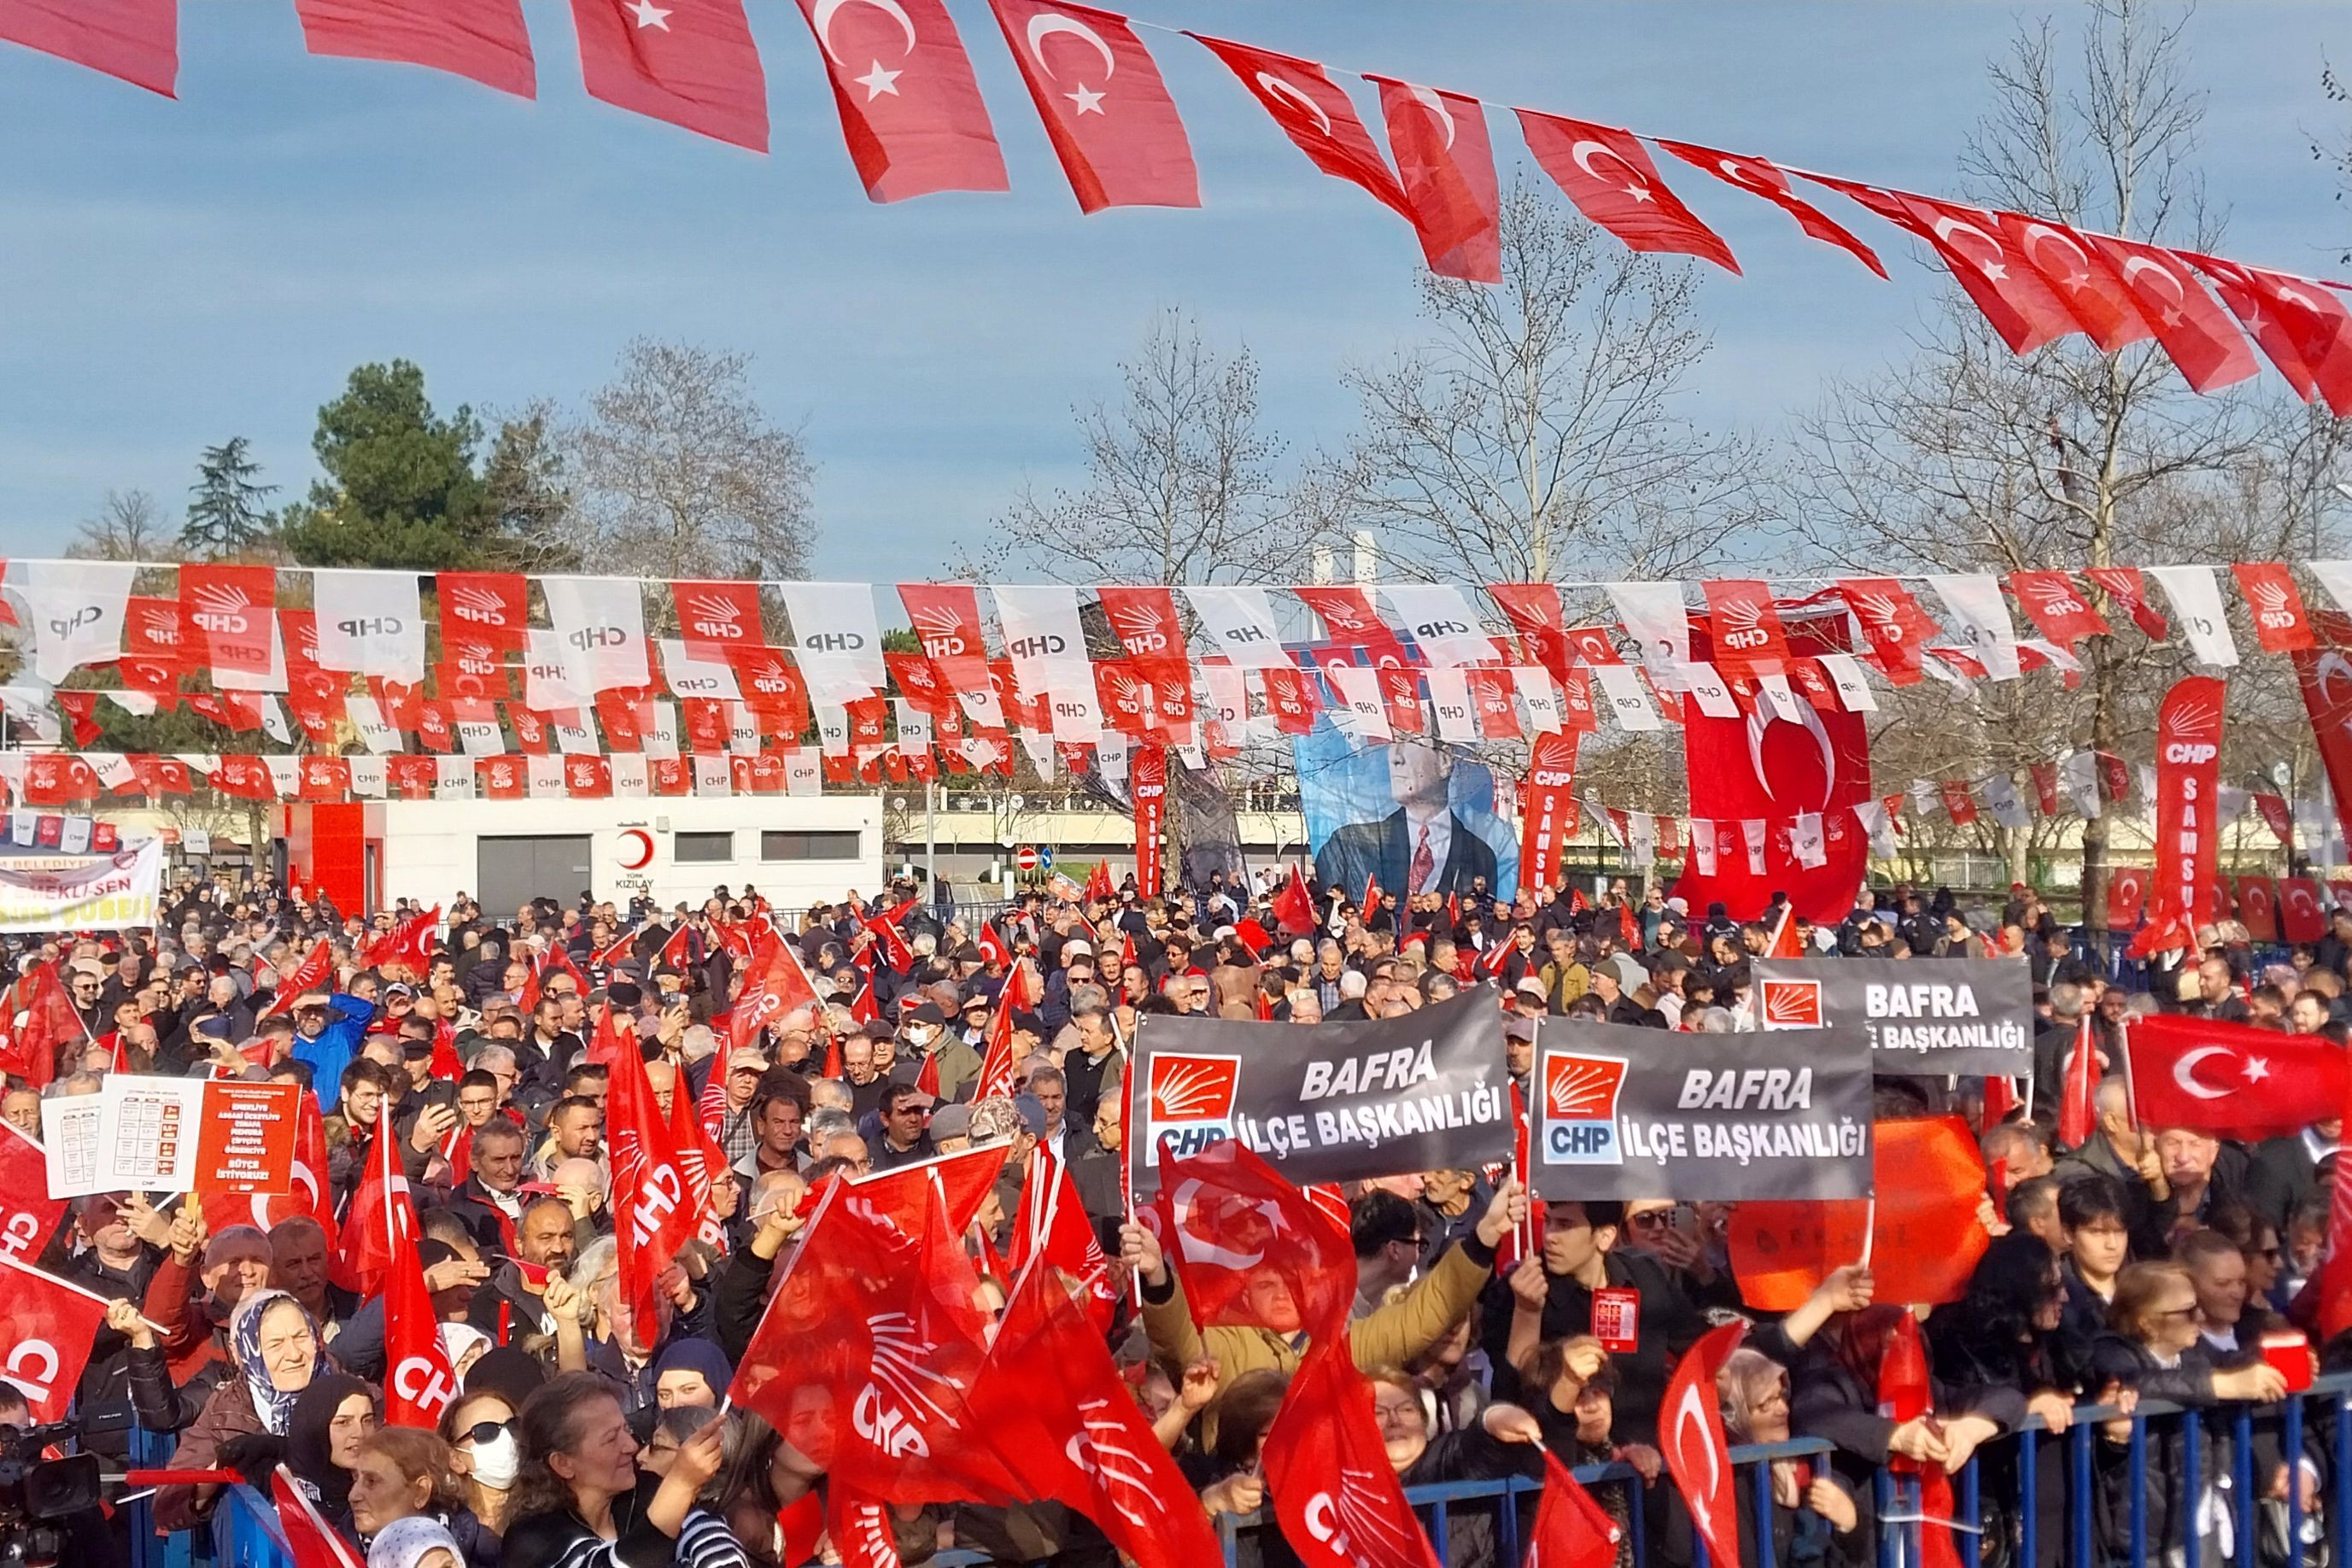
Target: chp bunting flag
[1608, 176]
[48, 1326]
[1896, 629]
[2231, 1079]
[1760, 177]
[690, 62]
[2188, 825]
[137, 40]
[911, 111]
[483, 40]
[1316, 116]
[1328, 1472]
[1105, 108]
[2280, 623]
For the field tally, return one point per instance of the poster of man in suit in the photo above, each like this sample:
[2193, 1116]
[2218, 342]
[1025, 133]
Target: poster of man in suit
[1420, 817]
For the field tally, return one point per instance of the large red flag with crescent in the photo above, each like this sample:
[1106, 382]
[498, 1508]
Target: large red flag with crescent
[910, 110]
[1105, 108]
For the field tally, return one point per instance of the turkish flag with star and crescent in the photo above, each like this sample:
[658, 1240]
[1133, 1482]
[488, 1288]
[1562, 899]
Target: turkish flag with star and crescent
[1315, 115]
[690, 62]
[1762, 177]
[2205, 345]
[1250, 1247]
[910, 110]
[1446, 165]
[1690, 1435]
[2302, 327]
[2231, 1081]
[483, 40]
[1608, 176]
[2107, 311]
[1105, 108]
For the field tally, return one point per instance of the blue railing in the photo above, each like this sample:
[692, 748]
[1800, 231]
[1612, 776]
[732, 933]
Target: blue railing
[245, 1534]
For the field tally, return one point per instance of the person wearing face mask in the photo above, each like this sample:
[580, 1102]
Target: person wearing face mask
[924, 1033]
[243, 1425]
[483, 1438]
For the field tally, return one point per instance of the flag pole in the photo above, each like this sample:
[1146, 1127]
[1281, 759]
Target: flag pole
[1869, 1227]
[2123, 1049]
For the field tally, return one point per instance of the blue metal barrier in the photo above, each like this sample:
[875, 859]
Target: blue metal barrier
[245, 1534]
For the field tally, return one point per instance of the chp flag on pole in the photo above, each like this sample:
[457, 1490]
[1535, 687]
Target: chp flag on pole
[1626, 1112]
[1341, 1102]
[1972, 1016]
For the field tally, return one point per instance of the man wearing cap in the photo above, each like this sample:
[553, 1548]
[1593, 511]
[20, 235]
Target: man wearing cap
[924, 1033]
[739, 1131]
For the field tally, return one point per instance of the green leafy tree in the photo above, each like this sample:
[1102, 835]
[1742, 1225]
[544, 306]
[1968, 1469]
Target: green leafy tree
[401, 490]
[228, 509]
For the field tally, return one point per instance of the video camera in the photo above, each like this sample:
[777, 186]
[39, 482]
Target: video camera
[38, 1494]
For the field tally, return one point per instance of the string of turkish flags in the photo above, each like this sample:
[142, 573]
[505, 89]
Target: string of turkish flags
[915, 123]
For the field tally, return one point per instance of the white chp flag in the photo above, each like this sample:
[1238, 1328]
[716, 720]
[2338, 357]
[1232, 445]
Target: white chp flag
[2197, 610]
[1541, 694]
[2079, 771]
[1754, 833]
[1442, 623]
[914, 726]
[1239, 623]
[1980, 615]
[632, 775]
[1225, 705]
[1808, 846]
[660, 738]
[839, 643]
[453, 777]
[1628, 703]
[369, 623]
[690, 676]
[285, 776]
[2001, 798]
[368, 778]
[1703, 844]
[367, 717]
[712, 775]
[803, 772]
[548, 683]
[1070, 700]
[1654, 618]
[600, 623]
[1449, 694]
[1042, 634]
[1844, 672]
[1362, 713]
[74, 611]
[1641, 837]
[1703, 684]
[1875, 822]
[543, 777]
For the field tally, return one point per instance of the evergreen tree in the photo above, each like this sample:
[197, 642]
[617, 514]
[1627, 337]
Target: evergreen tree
[228, 510]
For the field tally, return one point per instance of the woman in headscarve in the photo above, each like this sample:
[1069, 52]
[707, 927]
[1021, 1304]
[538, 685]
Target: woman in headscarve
[331, 1418]
[243, 1425]
[417, 1541]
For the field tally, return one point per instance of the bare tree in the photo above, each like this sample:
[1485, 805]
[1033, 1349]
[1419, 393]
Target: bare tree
[1179, 485]
[1968, 458]
[128, 526]
[1537, 432]
[680, 473]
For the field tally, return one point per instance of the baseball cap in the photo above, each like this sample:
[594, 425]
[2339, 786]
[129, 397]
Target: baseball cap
[743, 1056]
[1032, 1112]
[1533, 987]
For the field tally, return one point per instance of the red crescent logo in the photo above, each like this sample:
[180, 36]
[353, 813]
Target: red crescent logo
[644, 843]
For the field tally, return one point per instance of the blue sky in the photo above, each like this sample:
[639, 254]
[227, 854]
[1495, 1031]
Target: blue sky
[179, 272]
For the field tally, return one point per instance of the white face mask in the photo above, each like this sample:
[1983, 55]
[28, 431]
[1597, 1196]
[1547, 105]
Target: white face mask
[497, 1461]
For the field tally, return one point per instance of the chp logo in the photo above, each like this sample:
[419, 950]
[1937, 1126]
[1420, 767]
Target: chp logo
[1580, 1110]
[483, 606]
[714, 616]
[1140, 629]
[1190, 1099]
[1791, 1004]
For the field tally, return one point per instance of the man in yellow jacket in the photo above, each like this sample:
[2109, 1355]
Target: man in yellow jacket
[1389, 1335]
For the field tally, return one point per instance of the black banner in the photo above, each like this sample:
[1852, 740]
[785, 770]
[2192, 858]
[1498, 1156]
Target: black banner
[1327, 1102]
[1925, 1017]
[1628, 1112]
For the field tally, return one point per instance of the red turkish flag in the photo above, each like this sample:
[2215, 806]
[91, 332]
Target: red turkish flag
[652, 1212]
[997, 1065]
[2279, 622]
[1328, 1473]
[1896, 629]
[486, 607]
[2046, 786]
[483, 40]
[309, 1539]
[137, 40]
[380, 1223]
[2078, 1090]
[1447, 167]
[2258, 908]
[2299, 915]
[1105, 108]
[911, 111]
[2275, 816]
[2125, 586]
[1608, 174]
[2205, 345]
[1293, 907]
[2082, 282]
[690, 62]
[1989, 268]
[2231, 1079]
[419, 1383]
[1571, 1530]
[49, 1022]
[2301, 326]
[226, 613]
[1761, 177]
[715, 617]
[1315, 113]
[311, 974]
[1252, 1249]
[2187, 832]
[775, 986]
[1748, 636]
[1690, 1434]
[2127, 896]
[162, 775]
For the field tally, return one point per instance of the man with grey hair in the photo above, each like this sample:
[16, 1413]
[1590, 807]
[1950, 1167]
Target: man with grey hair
[2052, 1046]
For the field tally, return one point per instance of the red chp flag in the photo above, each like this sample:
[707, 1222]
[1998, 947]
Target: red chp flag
[483, 40]
[777, 987]
[2188, 825]
[308, 977]
[1896, 629]
[911, 111]
[691, 62]
[1148, 784]
[1548, 820]
[2276, 604]
[653, 1214]
[1690, 1434]
[2231, 1079]
[28, 1216]
[1316, 116]
[1607, 173]
[1328, 1472]
[1760, 766]
[137, 40]
[1447, 167]
[1106, 110]
[48, 1327]
[419, 1383]
[1052, 1227]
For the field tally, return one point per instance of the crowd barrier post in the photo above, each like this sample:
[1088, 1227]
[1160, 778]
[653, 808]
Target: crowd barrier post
[2192, 1462]
[2241, 1482]
[2138, 1492]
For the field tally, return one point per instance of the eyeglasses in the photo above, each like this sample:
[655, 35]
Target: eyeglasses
[2181, 1313]
[485, 1431]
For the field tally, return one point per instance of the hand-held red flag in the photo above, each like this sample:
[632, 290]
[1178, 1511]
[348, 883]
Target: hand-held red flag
[1292, 906]
[311, 1541]
[1328, 1473]
[1249, 1245]
[1690, 1434]
[653, 1213]
[48, 1326]
[2231, 1079]
[2078, 1098]
[1571, 1530]
[419, 1383]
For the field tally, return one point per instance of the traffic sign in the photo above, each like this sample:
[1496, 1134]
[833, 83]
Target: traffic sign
[1025, 857]
[1045, 858]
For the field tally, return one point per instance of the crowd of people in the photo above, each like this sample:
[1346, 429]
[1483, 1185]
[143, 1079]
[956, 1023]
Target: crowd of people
[2147, 1263]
